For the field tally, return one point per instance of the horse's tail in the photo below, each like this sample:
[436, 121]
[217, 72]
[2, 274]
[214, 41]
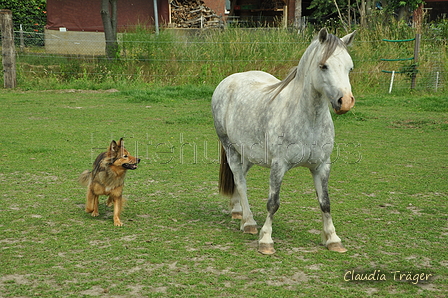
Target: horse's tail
[226, 183]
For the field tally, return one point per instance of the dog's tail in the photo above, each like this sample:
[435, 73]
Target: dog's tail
[226, 182]
[84, 178]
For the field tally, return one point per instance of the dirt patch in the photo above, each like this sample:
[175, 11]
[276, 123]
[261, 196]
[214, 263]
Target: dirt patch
[297, 278]
[95, 291]
[17, 278]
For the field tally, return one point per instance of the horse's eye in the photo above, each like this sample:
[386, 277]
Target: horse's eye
[323, 66]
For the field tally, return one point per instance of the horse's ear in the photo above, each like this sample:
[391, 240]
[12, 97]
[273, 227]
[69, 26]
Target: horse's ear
[348, 39]
[323, 34]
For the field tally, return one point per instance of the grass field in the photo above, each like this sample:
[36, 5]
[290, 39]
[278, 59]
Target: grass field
[388, 187]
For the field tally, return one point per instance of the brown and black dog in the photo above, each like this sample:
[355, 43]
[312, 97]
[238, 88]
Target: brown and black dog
[107, 178]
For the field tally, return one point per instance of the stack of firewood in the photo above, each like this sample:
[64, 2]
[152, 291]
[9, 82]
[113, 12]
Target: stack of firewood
[193, 14]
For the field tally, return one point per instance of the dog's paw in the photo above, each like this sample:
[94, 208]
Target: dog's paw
[95, 214]
[118, 223]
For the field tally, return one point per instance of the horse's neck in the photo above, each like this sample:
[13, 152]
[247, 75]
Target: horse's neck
[307, 101]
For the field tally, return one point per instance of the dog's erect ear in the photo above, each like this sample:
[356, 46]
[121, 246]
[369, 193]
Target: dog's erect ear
[121, 142]
[113, 147]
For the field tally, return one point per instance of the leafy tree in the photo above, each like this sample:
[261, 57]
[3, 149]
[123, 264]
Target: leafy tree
[344, 10]
[397, 4]
[324, 10]
[400, 9]
[31, 14]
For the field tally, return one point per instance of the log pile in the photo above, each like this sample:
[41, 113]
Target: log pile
[193, 14]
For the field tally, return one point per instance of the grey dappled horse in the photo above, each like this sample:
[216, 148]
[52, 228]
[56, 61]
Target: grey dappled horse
[283, 124]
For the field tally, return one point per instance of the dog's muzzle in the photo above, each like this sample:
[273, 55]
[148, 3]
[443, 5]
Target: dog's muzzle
[131, 166]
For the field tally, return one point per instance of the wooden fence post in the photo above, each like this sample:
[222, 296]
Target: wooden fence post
[416, 52]
[22, 41]
[8, 49]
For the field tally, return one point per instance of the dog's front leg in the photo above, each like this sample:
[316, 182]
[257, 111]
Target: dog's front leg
[118, 205]
[116, 197]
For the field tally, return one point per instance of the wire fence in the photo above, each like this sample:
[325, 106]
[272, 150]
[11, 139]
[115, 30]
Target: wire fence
[184, 60]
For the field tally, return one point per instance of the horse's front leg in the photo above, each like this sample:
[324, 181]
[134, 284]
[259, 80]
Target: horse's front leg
[329, 237]
[266, 244]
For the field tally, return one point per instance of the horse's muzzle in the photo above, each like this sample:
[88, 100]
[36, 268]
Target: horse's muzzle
[344, 104]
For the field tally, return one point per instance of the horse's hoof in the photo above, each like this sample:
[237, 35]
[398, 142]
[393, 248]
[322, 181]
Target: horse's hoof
[266, 248]
[337, 246]
[237, 215]
[250, 230]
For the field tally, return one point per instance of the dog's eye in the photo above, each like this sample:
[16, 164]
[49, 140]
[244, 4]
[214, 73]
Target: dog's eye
[323, 66]
[125, 156]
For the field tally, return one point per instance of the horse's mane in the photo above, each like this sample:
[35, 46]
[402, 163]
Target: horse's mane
[330, 44]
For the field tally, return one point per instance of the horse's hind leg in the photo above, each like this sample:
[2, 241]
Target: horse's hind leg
[239, 169]
[235, 200]
[329, 237]
[235, 206]
[266, 244]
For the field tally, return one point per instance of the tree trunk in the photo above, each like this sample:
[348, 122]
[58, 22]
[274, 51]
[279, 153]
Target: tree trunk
[8, 49]
[109, 17]
[363, 14]
[298, 14]
[418, 18]
[349, 19]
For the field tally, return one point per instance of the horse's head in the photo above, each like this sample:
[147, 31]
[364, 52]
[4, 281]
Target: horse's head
[332, 70]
